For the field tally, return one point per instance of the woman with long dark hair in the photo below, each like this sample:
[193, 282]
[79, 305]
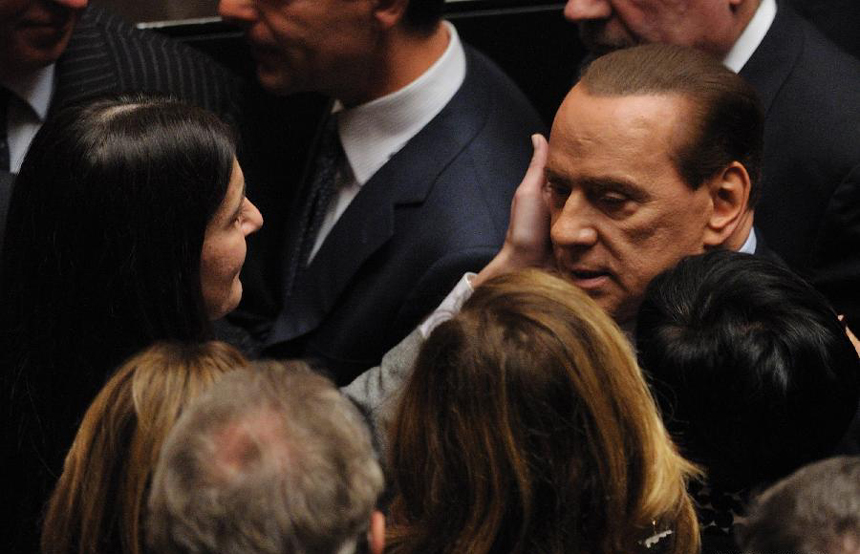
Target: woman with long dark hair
[126, 226]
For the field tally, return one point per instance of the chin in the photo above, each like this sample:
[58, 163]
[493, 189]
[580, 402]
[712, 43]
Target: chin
[272, 79]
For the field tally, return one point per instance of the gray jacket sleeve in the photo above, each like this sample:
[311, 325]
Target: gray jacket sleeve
[377, 390]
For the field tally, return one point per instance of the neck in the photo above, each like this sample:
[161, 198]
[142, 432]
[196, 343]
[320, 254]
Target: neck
[742, 13]
[402, 57]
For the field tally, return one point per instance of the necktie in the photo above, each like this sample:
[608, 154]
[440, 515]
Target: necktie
[323, 189]
[4, 142]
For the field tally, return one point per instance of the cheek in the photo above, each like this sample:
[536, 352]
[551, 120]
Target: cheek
[220, 264]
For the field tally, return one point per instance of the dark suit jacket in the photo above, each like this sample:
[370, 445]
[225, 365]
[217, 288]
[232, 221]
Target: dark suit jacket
[107, 55]
[809, 212]
[437, 209]
[6, 181]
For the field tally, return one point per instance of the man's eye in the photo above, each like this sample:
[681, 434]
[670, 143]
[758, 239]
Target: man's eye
[613, 198]
[558, 191]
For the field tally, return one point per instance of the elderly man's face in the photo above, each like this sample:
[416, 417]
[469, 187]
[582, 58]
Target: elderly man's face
[620, 212]
[305, 45]
[606, 25]
[34, 33]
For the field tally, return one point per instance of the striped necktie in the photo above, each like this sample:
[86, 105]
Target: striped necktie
[4, 140]
[323, 189]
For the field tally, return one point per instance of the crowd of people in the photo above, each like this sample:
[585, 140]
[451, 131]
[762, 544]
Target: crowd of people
[441, 338]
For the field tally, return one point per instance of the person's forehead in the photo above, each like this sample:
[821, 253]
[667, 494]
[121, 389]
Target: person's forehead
[625, 132]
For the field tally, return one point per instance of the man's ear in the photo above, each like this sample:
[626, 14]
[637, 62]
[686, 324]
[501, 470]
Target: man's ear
[376, 533]
[388, 13]
[730, 194]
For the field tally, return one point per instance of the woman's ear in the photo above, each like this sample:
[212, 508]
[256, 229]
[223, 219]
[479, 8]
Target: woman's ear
[730, 193]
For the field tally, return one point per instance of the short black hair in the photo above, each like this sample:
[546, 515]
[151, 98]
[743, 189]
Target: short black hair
[750, 365]
[422, 16]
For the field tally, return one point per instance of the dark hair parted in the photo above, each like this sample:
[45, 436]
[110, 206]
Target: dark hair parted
[422, 16]
[526, 426]
[102, 255]
[726, 120]
[753, 371]
[815, 510]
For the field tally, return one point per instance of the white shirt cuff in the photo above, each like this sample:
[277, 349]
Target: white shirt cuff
[450, 306]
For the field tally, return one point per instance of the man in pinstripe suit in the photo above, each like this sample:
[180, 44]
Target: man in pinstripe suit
[53, 52]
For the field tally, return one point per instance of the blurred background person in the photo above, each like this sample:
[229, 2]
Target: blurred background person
[526, 426]
[99, 503]
[272, 460]
[753, 372]
[127, 226]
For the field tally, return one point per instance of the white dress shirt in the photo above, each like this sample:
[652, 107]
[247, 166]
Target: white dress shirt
[28, 108]
[374, 132]
[752, 36]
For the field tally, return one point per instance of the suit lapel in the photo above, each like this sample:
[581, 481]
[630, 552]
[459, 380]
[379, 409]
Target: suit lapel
[86, 68]
[776, 56]
[368, 222]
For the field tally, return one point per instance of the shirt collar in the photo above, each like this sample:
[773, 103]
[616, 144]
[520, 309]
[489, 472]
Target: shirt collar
[35, 89]
[752, 36]
[373, 132]
[750, 244]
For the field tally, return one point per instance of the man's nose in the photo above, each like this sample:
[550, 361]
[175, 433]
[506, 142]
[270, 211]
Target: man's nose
[237, 11]
[581, 10]
[573, 227]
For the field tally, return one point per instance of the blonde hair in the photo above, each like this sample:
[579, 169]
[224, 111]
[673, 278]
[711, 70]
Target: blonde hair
[527, 426]
[98, 501]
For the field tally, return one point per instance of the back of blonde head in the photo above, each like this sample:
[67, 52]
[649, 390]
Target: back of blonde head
[527, 427]
[97, 504]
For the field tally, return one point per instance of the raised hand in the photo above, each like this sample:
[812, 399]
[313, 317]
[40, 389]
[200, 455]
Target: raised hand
[527, 241]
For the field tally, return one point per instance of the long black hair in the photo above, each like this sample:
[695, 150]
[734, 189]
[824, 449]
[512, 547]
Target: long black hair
[102, 256]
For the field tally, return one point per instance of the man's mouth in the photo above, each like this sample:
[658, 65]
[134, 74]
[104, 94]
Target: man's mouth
[588, 278]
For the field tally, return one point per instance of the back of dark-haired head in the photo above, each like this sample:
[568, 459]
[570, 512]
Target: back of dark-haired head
[814, 511]
[422, 16]
[272, 460]
[727, 120]
[752, 369]
[102, 256]
[526, 426]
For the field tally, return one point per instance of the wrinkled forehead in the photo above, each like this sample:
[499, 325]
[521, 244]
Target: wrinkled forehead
[633, 125]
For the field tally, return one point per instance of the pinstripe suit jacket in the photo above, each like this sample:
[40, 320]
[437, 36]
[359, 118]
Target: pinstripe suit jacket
[107, 55]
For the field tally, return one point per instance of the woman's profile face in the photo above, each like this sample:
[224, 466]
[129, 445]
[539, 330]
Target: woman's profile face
[224, 247]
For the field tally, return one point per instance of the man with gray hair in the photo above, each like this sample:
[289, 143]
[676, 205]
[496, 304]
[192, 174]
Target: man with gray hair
[814, 511]
[272, 460]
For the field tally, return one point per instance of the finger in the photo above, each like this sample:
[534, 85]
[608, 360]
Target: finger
[535, 173]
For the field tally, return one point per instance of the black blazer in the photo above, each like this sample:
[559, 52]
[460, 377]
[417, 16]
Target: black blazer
[107, 55]
[437, 209]
[809, 212]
